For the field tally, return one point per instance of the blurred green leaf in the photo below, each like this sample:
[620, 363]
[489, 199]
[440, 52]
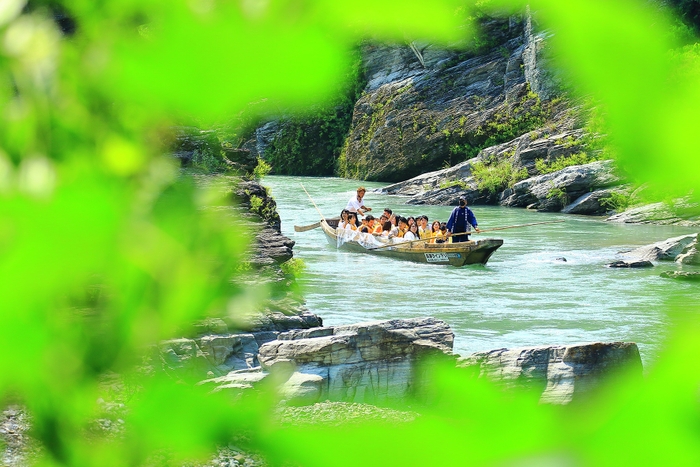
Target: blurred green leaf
[104, 251]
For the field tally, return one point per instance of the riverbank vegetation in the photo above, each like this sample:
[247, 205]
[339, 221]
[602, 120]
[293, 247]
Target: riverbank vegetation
[106, 252]
[497, 176]
[310, 143]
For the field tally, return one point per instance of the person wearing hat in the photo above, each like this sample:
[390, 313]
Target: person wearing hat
[461, 221]
[356, 203]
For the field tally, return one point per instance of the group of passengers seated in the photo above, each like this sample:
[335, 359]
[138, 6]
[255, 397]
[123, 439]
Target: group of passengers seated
[394, 226]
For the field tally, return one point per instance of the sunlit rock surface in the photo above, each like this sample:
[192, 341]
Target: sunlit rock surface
[683, 249]
[561, 374]
[366, 362]
[551, 192]
[218, 354]
[378, 361]
[589, 203]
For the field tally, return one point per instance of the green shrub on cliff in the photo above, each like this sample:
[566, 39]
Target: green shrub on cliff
[293, 267]
[458, 183]
[209, 162]
[528, 114]
[556, 165]
[262, 169]
[496, 177]
[617, 201]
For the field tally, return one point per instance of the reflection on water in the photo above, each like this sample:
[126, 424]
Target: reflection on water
[547, 284]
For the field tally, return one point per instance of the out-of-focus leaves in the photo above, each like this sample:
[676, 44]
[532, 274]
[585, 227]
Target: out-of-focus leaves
[103, 253]
[619, 52]
[214, 58]
[9, 9]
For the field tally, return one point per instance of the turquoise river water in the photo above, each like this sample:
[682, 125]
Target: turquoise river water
[525, 296]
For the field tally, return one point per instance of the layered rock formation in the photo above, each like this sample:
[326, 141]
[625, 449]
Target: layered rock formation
[219, 351]
[271, 247]
[576, 189]
[379, 361]
[365, 362]
[224, 346]
[562, 374]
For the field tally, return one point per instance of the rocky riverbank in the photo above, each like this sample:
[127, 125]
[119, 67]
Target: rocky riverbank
[379, 362]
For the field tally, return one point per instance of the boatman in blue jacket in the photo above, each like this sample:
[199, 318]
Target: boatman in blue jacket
[461, 221]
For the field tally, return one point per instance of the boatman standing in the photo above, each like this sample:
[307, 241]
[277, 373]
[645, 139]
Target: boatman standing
[461, 221]
[356, 203]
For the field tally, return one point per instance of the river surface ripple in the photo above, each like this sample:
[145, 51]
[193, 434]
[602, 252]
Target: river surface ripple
[525, 296]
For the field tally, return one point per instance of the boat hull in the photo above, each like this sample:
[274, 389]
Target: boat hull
[454, 254]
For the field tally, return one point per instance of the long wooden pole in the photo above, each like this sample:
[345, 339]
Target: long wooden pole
[520, 225]
[312, 202]
[470, 233]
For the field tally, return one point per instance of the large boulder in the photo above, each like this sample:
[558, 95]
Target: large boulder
[561, 374]
[551, 192]
[682, 249]
[589, 203]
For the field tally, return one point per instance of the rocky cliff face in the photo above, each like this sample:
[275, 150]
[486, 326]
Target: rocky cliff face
[425, 107]
[414, 116]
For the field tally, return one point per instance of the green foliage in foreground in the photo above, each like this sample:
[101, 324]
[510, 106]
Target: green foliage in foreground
[293, 267]
[104, 252]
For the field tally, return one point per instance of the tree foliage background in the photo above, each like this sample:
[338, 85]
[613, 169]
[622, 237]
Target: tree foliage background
[104, 251]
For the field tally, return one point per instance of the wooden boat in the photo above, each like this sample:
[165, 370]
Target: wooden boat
[455, 254]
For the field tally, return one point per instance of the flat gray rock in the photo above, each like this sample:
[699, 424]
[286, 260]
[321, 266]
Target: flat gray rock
[682, 249]
[561, 373]
[365, 362]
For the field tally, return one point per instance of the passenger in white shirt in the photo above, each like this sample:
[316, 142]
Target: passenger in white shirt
[356, 203]
[343, 219]
[412, 233]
